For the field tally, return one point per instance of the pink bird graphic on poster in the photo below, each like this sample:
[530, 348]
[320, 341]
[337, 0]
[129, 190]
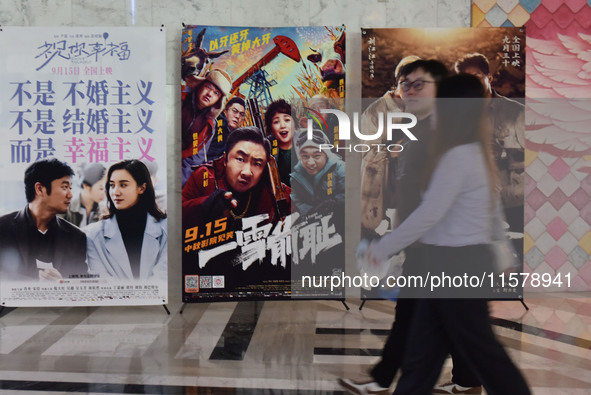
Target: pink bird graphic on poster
[558, 88]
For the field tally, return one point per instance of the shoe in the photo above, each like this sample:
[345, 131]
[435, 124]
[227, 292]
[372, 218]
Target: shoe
[363, 387]
[453, 388]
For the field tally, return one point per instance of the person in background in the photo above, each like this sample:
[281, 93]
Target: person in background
[130, 243]
[85, 208]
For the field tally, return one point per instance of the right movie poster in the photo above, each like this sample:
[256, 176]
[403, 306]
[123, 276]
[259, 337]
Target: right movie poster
[497, 57]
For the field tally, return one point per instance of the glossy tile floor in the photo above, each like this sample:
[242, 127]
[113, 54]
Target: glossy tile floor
[273, 347]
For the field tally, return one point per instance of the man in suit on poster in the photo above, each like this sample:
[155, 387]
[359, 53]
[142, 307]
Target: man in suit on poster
[36, 244]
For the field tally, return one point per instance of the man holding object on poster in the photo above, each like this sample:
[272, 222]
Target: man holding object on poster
[36, 243]
[234, 186]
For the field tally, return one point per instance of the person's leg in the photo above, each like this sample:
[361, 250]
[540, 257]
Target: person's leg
[425, 353]
[394, 348]
[468, 328]
[393, 352]
[461, 373]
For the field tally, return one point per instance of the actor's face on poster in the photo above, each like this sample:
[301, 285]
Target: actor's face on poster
[245, 165]
[282, 128]
[59, 199]
[124, 190]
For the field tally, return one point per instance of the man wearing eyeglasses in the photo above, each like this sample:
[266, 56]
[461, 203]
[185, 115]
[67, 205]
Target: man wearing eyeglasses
[231, 118]
[417, 86]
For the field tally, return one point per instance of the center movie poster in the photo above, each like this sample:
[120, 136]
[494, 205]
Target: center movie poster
[497, 57]
[83, 166]
[262, 183]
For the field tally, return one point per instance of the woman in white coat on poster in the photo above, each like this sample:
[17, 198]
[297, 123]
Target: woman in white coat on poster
[130, 243]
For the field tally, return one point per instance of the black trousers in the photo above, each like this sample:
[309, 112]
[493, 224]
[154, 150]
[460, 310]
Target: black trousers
[395, 346]
[386, 369]
[462, 325]
[441, 325]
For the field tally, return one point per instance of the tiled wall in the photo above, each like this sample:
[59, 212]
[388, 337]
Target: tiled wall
[558, 176]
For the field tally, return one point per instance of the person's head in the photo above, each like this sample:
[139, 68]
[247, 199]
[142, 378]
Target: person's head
[49, 182]
[312, 158]
[247, 153]
[234, 112]
[460, 118]
[93, 185]
[417, 82]
[319, 102]
[403, 62]
[129, 185]
[279, 123]
[215, 86]
[476, 64]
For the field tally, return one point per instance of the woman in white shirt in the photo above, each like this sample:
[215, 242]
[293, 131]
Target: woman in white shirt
[456, 221]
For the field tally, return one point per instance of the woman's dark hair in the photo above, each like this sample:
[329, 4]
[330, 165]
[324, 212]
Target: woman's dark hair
[278, 106]
[141, 175]
[461, 119]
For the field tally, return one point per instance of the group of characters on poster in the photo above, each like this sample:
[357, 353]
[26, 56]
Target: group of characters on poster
[259, 198]
[91, 220]
[61, 234]
[395, 61]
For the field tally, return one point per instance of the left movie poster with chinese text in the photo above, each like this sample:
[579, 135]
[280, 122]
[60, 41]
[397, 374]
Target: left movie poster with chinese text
[263, 204]
[83, 166]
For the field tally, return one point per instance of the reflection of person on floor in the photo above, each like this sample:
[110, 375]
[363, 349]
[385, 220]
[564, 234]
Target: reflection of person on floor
[318, 179]
[131, 243]
[36, 244]
[85, 208]
[280, 126]
[458, 217]
[235, 186]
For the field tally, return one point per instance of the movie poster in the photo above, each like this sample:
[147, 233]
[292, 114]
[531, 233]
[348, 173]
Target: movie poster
[83, 166]
[497, 57]
[263, 181]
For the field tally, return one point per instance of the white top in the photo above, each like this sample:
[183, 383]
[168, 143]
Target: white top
[455, 210]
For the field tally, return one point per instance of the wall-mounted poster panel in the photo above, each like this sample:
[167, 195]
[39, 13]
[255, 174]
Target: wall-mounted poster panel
[83, 166]
[263, 204]
[392, 181]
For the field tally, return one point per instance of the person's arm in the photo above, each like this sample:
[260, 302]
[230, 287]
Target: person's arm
[443, 189]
